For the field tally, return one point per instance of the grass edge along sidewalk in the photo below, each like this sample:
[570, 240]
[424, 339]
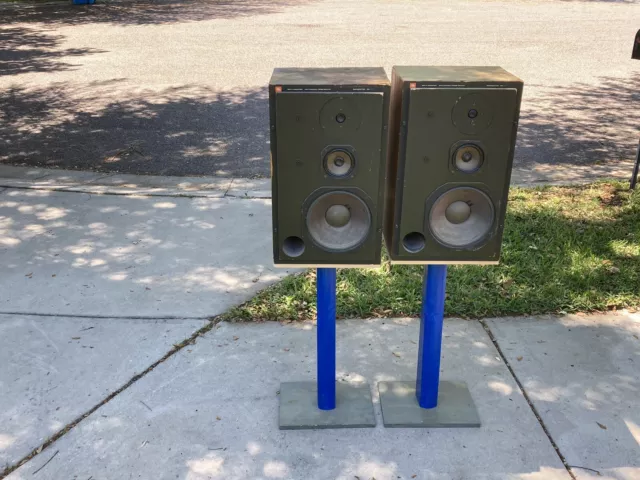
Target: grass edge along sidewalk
[565, 249]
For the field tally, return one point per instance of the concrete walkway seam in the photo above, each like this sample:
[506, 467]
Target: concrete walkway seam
[203, 194]
[236, 187]
[526, 397]
[89, 191]
[68, 427]
[107, 317]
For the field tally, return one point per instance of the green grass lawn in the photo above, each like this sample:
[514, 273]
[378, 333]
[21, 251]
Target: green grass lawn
[565, 249]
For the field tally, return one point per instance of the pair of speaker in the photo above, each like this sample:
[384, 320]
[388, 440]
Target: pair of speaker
[426, 161]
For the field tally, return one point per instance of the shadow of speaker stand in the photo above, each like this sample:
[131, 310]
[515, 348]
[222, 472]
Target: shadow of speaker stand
[429, 403]
[325, 404]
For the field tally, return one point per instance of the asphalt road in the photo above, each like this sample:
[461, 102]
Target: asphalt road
[179, 87]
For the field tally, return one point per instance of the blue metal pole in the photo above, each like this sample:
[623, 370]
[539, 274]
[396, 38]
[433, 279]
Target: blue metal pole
[431, 320]
[326, 307]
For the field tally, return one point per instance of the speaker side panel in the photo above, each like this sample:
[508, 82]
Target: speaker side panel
[273, 142]
[440, 120]
[395, 141]
[308, 126]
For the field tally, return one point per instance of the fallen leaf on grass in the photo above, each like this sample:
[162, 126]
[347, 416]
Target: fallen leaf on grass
[604, 427]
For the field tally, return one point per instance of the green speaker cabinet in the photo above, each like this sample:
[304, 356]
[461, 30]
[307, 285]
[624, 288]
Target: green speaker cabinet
[452, 134]
[328, 155]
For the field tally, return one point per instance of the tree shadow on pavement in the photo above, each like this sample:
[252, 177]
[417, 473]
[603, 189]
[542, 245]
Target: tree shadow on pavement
[187, 130]
[580, 123]
[147, 12]
[193, 130]
[25, 50]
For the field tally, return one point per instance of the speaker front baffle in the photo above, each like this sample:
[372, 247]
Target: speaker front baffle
[452, 136]
[328, 153]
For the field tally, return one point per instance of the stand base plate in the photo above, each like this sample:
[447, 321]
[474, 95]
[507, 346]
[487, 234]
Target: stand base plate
[400, 407]
[299, 407]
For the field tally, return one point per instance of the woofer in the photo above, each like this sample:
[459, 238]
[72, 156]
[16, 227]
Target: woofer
[462, 217]
[338, 221]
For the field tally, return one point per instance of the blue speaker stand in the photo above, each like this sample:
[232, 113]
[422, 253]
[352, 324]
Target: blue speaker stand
[325, 403]
[428, 402]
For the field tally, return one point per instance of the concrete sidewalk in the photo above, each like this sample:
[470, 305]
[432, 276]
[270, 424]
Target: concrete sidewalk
[124, 251]
[54, 369]
[210, 409]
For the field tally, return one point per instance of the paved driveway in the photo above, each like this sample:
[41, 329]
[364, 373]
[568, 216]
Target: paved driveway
[179, 88]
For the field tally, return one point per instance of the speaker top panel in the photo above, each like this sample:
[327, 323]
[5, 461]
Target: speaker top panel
[310, 77]
[428, 76]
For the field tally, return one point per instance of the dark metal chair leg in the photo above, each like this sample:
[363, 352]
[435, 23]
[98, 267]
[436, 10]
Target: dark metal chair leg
[634, 177]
